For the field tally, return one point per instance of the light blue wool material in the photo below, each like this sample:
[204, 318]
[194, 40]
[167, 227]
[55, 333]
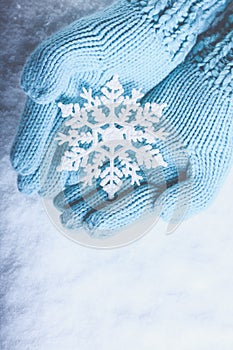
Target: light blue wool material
[199, 94]
[141, 41]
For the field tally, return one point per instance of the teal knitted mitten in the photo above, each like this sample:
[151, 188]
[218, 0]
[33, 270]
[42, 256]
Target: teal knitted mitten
[199, 95]
[141, 41]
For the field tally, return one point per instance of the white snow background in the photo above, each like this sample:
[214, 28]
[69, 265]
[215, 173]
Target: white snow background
[162, 292]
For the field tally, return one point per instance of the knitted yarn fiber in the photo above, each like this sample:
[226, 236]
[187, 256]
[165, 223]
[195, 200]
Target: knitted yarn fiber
[141, 41]
[199, 94]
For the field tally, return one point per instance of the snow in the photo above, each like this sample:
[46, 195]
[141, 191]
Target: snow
[161, 292]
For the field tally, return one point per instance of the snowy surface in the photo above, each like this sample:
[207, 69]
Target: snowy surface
[162, 292]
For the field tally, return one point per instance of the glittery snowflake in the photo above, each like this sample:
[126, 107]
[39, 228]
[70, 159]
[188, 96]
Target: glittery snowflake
[111, 137]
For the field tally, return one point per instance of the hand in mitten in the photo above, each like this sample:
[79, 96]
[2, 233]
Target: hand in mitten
[199, 116]
[141, 41]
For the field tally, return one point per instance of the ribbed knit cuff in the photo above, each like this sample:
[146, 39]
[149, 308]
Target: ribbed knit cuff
[180, 22]
[214, 53]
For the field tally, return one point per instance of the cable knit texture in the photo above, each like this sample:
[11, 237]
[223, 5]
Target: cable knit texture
[174, 19]
[199, 94]
[141, 41]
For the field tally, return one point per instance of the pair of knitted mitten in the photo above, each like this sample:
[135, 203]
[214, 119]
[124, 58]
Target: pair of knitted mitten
[141, 41]
[198, 119]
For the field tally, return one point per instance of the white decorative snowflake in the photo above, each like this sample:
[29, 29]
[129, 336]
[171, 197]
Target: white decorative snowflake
[111, 137]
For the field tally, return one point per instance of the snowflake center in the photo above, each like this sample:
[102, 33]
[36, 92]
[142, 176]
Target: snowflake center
[112, 133]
